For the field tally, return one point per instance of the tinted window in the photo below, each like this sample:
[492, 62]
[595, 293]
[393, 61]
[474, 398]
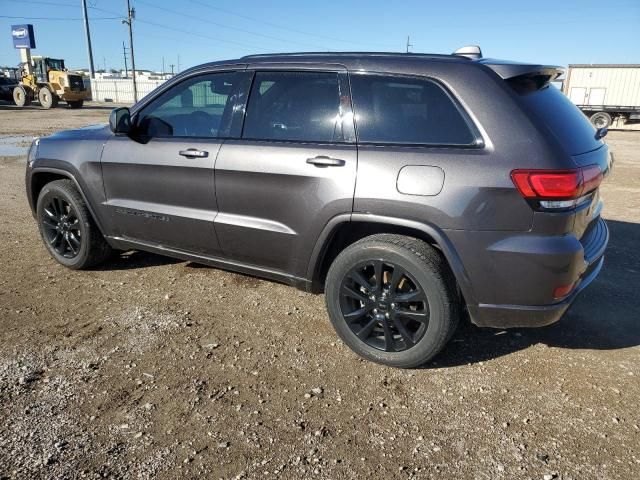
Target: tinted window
[406, 110]
[565, 121]
[198, 107]
[295, 106]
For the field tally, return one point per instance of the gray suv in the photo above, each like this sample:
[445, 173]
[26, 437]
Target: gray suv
[411, 189]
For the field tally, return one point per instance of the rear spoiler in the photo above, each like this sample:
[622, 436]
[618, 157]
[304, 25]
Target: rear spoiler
[507, 69]
[523, 76]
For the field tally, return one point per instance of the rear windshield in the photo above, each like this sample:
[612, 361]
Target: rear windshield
[565, 121]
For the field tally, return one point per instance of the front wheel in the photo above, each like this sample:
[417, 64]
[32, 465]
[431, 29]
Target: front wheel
[47, 98]
[392, 299]
[67, 228]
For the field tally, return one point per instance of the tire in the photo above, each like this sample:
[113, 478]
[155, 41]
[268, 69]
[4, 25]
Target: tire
[61, 205]
[21, 96]
[47, 98]
[75, 103]
[600, 120]
[413, 321]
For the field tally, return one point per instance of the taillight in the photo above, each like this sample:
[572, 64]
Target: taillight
[557, 188]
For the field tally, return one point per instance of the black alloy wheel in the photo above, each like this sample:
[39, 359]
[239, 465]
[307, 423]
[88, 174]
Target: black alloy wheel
[392, 299]
[61, 227]
[67, 228]
[384, 306]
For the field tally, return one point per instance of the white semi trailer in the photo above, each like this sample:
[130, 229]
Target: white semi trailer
[606, 93]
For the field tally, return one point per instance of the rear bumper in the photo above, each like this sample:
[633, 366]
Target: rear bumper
[514, 275]
[512, 316]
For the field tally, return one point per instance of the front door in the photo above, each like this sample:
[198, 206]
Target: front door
[159, 181]
[291, 172]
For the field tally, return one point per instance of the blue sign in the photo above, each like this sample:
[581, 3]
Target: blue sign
[23, 36]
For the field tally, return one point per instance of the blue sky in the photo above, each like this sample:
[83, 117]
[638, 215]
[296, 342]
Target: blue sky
[195, 31]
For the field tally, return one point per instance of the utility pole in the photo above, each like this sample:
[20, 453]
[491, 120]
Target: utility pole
[131, 14]
[124, 54]
[86, 31]
[172, 65]
[408, 44]
[178, 63]
[163, 66]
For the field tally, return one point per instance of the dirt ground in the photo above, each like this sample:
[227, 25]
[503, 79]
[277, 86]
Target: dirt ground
[154, 368]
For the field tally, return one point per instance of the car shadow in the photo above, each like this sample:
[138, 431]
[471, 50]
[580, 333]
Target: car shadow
[605, 316]
[134, 259]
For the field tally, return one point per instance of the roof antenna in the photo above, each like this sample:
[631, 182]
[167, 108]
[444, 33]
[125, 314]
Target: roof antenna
[470, 51]
[408, 44]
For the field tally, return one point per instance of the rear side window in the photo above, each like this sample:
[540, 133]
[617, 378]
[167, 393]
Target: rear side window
[294, 106]
[406, 110]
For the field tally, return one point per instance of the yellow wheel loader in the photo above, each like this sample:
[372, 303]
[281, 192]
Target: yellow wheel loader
[49, 82]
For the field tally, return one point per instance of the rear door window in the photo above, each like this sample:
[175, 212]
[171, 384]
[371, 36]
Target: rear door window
[407, 110]
[295, 106]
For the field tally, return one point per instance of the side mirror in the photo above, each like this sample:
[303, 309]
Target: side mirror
[120, 120]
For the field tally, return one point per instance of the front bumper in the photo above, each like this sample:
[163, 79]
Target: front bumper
[74, 95]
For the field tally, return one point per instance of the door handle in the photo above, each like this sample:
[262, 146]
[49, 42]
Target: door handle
[324, 161]
[193, 153]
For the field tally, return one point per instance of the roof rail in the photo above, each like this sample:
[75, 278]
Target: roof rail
[469, 51]
[339, 54]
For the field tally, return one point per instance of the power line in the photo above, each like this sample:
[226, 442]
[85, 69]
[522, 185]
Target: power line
[282, 27]
[159, 25]
[55, 4]
[93, 7]
[56, 18]
[193, 17]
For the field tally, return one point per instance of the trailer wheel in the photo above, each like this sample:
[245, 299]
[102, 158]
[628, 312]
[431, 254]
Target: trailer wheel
[47, 98]
[21, 96]
[600, 119]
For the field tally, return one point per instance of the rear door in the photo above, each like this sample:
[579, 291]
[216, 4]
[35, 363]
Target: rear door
[292, 171]
[159, 181]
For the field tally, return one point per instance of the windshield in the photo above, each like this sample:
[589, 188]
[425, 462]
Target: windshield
[55, 64]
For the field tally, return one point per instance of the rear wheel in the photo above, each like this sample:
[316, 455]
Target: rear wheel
[47, 98]
[75, 103]
[67, 228]
[600, 120]
[21, 96]
[392, 299]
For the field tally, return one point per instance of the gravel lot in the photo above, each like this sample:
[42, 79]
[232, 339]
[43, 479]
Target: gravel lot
[154, 368]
